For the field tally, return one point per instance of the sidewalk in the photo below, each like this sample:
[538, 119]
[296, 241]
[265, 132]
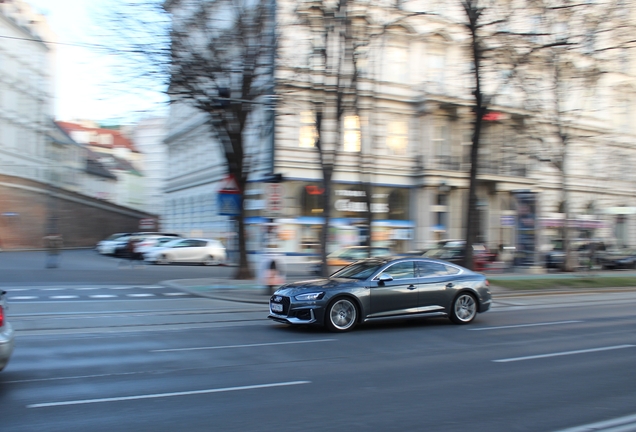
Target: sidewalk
[251, 291]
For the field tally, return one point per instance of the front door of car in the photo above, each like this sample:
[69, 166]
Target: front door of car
[192, 252]
[182, 250]
[435, 285]
[397, 296]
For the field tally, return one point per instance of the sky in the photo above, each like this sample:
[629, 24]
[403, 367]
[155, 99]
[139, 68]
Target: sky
[83, 85]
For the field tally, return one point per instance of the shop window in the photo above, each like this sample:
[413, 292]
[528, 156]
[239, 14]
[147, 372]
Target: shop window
[311, 200]
[398, 205]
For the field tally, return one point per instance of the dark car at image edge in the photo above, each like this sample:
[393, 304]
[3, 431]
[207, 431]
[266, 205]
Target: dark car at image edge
[383, 288]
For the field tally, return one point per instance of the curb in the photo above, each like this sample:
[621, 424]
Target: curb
[225, 292]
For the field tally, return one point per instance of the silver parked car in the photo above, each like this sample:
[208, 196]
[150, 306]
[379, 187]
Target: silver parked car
[6, 333]
[190, 250]
[383, 288]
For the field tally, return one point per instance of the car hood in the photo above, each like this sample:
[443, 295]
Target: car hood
[295, 288]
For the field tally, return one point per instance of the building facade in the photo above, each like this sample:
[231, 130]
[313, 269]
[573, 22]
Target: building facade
[410, 138]
[148, 136]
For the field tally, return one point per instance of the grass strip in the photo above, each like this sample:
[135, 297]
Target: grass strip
[557, 283]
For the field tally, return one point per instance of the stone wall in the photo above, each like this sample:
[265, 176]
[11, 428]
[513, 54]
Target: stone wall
[28, 209]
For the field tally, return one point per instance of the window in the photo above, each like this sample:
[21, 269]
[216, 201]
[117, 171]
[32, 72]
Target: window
[401, 270]
[351, 134]
[441, 141]
[397, 137]
[428, 268]
[308, 133]
[436, 65]
[396, 62]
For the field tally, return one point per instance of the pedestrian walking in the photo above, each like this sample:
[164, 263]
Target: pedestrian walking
[53, 244]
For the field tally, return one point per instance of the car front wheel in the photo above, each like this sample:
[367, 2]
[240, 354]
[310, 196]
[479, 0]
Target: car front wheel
[464, 309]
[342, 315]
[163, 259]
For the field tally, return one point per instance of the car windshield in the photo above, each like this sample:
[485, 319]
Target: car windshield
[115, 236]
[360, 271]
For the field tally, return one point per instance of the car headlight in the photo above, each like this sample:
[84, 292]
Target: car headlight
[310, 296]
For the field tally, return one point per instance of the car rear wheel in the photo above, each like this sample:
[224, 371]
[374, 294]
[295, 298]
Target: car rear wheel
[342, 315]
[210, 261]
[464, 309]
[163, 259]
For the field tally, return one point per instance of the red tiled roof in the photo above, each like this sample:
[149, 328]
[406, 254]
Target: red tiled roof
[119, 140]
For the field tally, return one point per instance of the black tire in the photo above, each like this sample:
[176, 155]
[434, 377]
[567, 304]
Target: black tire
[341, 315]
[210, 261]
[464, 308]
[163, 260]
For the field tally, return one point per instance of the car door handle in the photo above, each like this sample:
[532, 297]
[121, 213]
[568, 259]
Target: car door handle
[449, 285]
[411, 287]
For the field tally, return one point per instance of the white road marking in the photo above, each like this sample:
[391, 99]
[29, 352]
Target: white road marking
[565, 353]
[102, 296]
[64, 297]
[140, 295]
[120, 288]
[627, 423]
[87, 289]
[523, 325]
[18, 289]
[52, 289]
[165, 395]
[243, 346]
[175, 294]
[22, 298]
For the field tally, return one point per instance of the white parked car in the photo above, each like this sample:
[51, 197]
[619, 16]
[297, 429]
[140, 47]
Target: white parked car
[147, 244]
[190, 250]
[108, 246]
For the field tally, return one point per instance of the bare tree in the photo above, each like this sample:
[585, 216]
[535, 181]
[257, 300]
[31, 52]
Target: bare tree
[582, 42]
[215, 57]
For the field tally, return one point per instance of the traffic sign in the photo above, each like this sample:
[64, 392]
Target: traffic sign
[229, 204]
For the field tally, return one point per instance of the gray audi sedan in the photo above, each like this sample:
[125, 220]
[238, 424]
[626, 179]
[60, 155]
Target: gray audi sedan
[383, 288]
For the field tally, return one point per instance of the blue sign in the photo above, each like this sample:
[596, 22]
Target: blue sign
[229, 204]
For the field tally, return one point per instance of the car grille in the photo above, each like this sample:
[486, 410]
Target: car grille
[277, 299]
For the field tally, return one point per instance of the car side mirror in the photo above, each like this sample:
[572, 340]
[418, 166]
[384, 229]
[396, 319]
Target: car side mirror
[385, 277]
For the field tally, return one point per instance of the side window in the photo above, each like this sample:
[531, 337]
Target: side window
[379, 252]
[428, 268]
[200, 243]
[401, 270]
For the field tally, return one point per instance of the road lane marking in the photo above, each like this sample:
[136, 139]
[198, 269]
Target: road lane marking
[175, 294]
[87, 288]
[102, 296]
[63, 297]
[628, 423]
[165, 395]
[140, 295]
[524, 325]
[243, 346]
[565, 353]
[52, 289]
[23, 298]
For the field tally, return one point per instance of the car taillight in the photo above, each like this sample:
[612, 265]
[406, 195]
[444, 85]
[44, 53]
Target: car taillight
[1, 316]
[487, 283]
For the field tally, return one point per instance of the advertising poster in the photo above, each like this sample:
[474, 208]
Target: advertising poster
[526, 228]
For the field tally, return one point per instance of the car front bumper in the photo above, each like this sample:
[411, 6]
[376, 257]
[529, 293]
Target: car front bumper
[294, 312]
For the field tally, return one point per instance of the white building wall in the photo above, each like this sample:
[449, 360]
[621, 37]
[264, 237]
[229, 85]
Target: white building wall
[25, 91]
[148, 136]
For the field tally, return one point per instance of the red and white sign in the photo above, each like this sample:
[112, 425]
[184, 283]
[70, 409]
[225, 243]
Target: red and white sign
[229, 186]
[275, 196]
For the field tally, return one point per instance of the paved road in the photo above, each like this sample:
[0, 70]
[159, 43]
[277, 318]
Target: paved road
[533, 363]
